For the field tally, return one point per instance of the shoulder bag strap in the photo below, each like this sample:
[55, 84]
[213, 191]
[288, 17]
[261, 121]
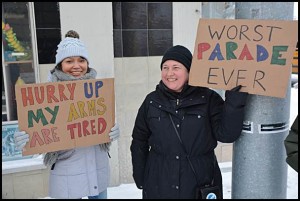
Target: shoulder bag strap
[187, 155]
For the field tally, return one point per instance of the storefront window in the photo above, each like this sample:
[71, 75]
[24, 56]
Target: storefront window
[17, 54]
[18, 67]
[26, 39]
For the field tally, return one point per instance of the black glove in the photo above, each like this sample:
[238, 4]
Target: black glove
[237, 88]
[234, 94]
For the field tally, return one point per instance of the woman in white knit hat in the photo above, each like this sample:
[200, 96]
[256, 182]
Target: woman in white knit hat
[83, 171]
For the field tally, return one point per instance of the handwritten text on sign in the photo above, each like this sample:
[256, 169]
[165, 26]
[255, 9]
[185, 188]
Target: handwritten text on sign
[256, 54]
[64, 115]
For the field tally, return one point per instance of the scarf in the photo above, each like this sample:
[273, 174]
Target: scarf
[58, 76]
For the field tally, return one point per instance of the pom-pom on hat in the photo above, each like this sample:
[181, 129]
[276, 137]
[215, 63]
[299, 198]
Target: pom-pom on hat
[178, 53]
[70, 46]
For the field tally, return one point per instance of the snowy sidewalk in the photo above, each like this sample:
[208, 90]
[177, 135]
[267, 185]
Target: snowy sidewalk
[129, 191]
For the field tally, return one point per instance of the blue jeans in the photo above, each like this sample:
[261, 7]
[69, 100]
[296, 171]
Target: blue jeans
[102, 195]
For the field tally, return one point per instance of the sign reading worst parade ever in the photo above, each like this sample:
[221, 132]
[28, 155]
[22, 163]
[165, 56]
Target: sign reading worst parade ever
[256, 54]
[64, 115]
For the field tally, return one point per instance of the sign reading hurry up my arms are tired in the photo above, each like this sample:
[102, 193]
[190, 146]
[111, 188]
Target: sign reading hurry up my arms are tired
[64, 115]
[256, 54]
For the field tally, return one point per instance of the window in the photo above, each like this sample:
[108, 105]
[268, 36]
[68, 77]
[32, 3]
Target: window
[47, 20]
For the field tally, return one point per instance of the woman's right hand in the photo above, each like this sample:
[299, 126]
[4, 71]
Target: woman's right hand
[21, 138]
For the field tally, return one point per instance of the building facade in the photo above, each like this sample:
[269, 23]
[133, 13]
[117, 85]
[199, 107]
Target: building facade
[125, 41]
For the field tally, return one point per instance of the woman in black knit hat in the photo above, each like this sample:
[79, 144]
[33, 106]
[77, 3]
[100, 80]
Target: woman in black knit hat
[177, 129]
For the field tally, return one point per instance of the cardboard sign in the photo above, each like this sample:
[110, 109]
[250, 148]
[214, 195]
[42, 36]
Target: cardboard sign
[256, 54]
[64, 115]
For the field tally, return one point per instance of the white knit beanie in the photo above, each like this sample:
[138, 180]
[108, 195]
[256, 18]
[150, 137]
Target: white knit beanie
[70, 47]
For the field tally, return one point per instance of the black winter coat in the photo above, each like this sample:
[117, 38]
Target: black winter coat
[160, 165]
[291, 146]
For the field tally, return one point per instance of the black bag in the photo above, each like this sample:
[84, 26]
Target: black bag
[208, 192]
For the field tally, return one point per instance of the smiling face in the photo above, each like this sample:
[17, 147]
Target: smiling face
[174, 75]
[75, 66]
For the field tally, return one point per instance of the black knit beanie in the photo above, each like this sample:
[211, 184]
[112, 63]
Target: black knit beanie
[180, 54]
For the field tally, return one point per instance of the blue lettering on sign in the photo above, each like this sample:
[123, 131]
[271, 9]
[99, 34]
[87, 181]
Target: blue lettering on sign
[89, 89]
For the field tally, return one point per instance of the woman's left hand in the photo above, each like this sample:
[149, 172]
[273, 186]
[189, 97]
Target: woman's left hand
[114, 132]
